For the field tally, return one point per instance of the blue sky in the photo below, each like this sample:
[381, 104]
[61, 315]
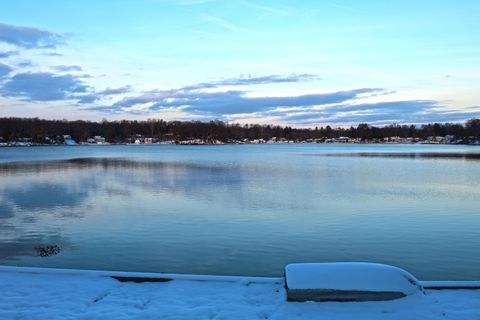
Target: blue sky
[302, 63]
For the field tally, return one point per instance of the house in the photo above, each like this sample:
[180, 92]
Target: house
[96, 140]
[342, 140]
[138, 139]
[99, 139]
[67, 139]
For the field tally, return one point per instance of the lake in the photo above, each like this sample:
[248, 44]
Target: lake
[242, 209]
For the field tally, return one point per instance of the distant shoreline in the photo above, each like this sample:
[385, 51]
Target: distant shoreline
[226, 143]
[30, 131]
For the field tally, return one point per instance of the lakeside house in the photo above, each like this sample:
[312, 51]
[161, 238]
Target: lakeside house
[23, 142]
[96, 140]
[67, 139]
[171, 139]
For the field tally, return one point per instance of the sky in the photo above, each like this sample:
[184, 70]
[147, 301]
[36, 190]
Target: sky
[297, 63]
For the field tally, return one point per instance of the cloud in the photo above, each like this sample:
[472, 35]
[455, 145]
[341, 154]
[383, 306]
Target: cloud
[7, 54]
[229, 26]
[344, 7]
[339, 107]
[94, 96]
[29, 37]
[234, 101]
[4, 70]
[25, 64]
[53, 54]
[381, 113]
[43, 86]
[229, 102]
[249, 80]
[86, 98]
[119, 90]
[252, 80]
[64, 68]
[268, 9]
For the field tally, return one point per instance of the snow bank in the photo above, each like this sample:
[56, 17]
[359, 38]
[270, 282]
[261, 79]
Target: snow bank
[62, 294]
[348, 281]
[350, 276]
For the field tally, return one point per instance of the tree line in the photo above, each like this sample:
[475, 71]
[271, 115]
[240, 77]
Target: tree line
[12, 129]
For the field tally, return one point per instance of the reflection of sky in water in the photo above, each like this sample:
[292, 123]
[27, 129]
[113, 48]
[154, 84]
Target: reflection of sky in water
[44, 195]
[242, 209]
[5, 211]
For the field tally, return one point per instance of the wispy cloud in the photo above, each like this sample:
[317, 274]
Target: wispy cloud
[339, 107]
[224, 102]
[344, 7]
[7, 54]
[250, 80]
[234, 101]
[264, 8]
[94, 96]
[381, 113]
[111, 91]
[53, 54]
[29, 37]
[229, 26]
[67, 68]
[193, 2]
[25, 64]
[253, 80]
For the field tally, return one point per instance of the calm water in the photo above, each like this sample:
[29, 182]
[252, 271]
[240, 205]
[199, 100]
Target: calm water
[242, 209]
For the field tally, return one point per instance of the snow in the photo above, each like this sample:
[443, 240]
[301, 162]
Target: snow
[353, 276]
[55, 294]
[100, 273]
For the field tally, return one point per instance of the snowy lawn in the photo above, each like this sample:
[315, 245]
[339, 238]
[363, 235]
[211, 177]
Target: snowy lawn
[47, 295]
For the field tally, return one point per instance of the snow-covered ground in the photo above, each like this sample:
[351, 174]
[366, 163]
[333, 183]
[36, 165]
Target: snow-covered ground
[44, 294]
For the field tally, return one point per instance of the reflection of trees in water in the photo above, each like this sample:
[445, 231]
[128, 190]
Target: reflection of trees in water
[55, 165]
[41, 195]
[33, 204]
[113, 177]
[76, 180]
[409, 155]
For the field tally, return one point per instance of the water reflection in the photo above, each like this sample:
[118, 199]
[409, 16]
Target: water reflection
[6, 211]
[55, 165]
[194, 212]
[27, 245]
[148, 174]
[44, 195]
[68, 183]
[410, 155]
